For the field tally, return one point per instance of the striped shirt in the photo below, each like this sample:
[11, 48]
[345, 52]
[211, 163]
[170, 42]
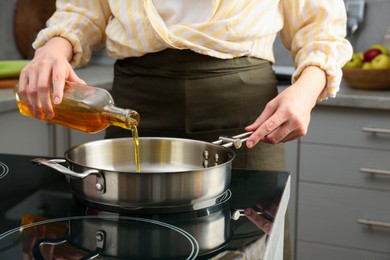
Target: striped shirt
[312, 30]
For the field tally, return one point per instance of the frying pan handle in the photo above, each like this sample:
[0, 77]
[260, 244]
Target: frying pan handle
[53, 242]
[235, 141]
[100, 241]
[55, 164]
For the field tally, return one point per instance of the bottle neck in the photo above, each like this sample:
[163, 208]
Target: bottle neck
[125, 118]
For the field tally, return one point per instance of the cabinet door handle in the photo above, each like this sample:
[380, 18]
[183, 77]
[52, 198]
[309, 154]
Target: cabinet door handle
[374, 130]
[374, 223]
[375, 171]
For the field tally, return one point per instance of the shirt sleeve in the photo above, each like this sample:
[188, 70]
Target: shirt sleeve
[82, 23]
[314, 32]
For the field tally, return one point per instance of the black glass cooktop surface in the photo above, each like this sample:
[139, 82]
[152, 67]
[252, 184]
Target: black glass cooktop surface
[42, 219]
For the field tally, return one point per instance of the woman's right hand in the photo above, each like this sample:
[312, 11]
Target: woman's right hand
[50, 63]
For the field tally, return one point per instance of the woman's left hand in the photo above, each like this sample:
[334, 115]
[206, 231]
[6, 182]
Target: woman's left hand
[287, 116]
[263, 214]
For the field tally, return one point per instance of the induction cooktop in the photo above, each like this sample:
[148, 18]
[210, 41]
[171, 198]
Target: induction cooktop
[42, 219]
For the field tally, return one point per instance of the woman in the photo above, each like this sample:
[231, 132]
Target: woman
[199, 69]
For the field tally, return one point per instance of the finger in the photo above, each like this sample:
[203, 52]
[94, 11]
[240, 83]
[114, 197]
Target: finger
[270, 209]
[47, 250]
[265, 129]
[29, 242]
[43, 86]
[32, 93]
[268, 111]
[290, 137]
[74, 78]
[293, 135]
[295, 131]
[22, 88]
[279, 134]
[58, 78]
[262, 223]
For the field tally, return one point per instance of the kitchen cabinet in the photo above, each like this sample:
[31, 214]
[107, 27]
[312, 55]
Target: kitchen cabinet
[24, 135]
[343, 185]
[292, 152]
[28, 136]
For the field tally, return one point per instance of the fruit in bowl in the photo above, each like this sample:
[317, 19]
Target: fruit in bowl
[355, 62]
[369, 69]
[381, 61]
[370, 54]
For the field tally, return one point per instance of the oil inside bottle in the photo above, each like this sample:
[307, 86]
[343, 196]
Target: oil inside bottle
[89, 110]
[84, 118]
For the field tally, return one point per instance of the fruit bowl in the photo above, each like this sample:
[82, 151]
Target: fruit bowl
[374, 79]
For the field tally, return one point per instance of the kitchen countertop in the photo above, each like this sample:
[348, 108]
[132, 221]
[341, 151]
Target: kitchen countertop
[102, 75]
[357, 98]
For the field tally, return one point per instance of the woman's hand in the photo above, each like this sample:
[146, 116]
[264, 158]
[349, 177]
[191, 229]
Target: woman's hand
[50, 63]
[263, 214]
[287, 116]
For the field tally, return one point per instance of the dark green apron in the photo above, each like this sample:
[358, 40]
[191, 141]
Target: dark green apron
[179, 93]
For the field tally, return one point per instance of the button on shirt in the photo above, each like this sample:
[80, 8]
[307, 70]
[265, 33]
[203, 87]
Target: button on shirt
[313, 31]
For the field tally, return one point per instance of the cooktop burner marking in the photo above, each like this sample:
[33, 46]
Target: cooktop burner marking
[195, 246]
[3, 170]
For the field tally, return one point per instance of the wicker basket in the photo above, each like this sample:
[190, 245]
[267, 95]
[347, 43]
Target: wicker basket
[374, 79]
